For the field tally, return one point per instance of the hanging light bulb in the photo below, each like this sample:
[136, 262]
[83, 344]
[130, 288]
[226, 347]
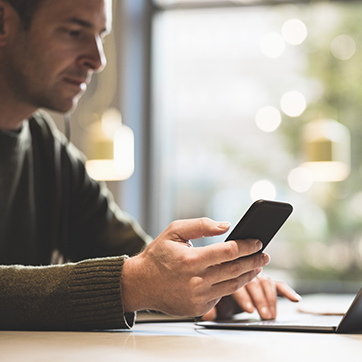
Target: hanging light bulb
[110, 148]
[327, 150]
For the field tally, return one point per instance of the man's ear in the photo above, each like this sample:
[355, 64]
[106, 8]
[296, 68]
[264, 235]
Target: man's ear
[6, 13]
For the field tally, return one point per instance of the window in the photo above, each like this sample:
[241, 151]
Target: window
[236, 94]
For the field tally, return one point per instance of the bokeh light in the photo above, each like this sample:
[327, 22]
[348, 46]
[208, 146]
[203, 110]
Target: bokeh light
[268, 119]
[272, 45]
[343, 47]
[300, 179]
[294, 31]
[263, 189]
[293, 103]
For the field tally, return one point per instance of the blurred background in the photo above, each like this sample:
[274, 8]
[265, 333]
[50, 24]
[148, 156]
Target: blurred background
[226, 102]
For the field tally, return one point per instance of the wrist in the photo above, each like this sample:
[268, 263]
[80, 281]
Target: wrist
[132, 290]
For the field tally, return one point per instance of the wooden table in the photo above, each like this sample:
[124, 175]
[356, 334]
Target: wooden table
[178, 341]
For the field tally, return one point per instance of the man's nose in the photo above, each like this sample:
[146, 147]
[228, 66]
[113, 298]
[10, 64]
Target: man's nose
[94, 58]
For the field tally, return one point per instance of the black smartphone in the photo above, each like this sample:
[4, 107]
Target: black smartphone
[261, 221]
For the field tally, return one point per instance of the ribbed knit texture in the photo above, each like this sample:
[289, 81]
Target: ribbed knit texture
[95, 294]
[73, 296]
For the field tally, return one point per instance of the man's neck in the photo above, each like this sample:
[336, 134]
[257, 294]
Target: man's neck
[12, 126]
[12, 116]
[13, 111]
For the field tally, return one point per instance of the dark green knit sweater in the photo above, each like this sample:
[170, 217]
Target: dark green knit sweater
[51, 210]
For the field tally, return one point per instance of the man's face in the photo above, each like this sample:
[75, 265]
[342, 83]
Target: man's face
[50, 65]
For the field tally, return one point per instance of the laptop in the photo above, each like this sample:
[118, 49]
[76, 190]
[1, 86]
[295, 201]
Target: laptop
[349, 322]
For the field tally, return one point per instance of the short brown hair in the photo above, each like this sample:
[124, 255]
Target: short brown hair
[26, 10]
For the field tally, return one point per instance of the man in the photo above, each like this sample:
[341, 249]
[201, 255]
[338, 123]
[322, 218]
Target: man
[52, 211]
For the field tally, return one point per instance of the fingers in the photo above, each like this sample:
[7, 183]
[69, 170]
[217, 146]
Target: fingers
[285, 290]
[231, 286]
[184, 230]
[191, 280]
[242, 297]
[224, 252]
[264, 295]
[261, 294]
[233, 269]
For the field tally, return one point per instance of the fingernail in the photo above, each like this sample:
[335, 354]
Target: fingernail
[266, 259]
[265, 313]
[297, 296]
[223, 225]
[249, 308]
[258, 245]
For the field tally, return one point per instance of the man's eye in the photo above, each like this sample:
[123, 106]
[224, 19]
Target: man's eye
[74, 33]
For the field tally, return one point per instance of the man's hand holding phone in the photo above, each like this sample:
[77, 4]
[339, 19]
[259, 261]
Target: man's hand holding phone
[179, 280]
[174, 278]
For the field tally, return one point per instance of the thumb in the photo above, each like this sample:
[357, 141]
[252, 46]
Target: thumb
[196, 228]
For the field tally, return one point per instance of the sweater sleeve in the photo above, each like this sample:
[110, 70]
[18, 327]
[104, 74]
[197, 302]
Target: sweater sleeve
[74, 296]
